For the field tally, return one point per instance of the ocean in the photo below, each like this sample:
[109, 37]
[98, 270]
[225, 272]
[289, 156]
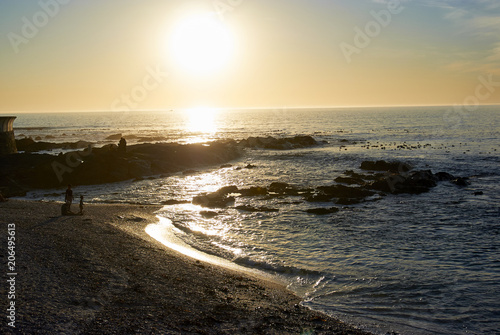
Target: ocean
[411, 264]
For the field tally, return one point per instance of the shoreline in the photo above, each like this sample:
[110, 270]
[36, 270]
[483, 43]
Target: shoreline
[102, 273]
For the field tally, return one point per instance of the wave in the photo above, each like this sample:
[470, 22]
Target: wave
[275, 268]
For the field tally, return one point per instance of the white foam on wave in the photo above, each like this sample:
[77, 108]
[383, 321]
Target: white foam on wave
[164, 232]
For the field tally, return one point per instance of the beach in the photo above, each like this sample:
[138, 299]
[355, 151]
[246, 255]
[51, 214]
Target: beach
[391, 229]
[100, 273]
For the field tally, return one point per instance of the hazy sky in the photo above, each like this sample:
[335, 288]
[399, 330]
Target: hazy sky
[58, 55]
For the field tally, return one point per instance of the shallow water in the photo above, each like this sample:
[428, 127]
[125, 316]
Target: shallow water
[415, 264]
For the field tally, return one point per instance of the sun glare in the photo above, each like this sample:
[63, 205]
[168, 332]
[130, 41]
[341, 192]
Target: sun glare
[201, 44]
[201, 120]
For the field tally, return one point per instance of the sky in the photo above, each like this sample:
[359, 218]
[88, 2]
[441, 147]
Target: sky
[100, 55]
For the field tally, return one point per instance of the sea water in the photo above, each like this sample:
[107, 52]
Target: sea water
[412, 264]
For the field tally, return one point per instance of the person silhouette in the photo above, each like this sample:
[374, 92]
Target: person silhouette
[68, 198]
[122, 146]
[81, 205]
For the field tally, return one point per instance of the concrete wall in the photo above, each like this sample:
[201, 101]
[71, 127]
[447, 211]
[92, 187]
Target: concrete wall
[7, 140]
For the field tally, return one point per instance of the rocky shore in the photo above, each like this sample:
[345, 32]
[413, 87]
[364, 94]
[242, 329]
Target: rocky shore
[100, 273]
[381, 179]
[112, 163]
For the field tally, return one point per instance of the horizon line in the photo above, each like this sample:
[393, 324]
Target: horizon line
[234, 108]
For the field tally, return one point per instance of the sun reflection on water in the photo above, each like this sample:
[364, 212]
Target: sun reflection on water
[201, 124]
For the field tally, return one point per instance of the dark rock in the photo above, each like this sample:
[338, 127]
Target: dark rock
[279, 143]
[114, 137]
[282, 188]
[349, 180]
[303, 141]
[383, 184]
[28, 145]
[413, 183]
[322, 211]
[106, 165]
[444, 176]
[175, 202]
[10, 188]
[227, 190]
[139, 167]
[342, 191]
[253, 191]
[461, 181]
[478, 193]
[318, 197]
[24, 143]
[422, 178]
[349, 201]
[250, 166]
[212, 200]
[209, 214]
[398, 167]
[256, 209]
[152, 139]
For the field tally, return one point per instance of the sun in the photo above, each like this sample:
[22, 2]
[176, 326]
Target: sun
[201, 44]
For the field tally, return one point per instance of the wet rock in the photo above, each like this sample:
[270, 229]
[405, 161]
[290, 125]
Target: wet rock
[253, 191]
[279, 143]
[444, 176]
[398, 167]
[28, 145]
[106, 165]
[318, 197]
[342, 191]
[256, 209]
[114, 137]
[283, 189]
[322, 211]
[138, 168]
[413, 183]
[227, 190]
[349, 201]
[24, 143]
[209, 214]
[151, 139]
[303, 141]
[175, 202]
[10, 188]
[349, 180]
[461, 181]
[212, 200]
[383, 184]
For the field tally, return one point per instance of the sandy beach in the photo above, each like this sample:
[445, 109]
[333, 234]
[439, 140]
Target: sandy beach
[100, 273]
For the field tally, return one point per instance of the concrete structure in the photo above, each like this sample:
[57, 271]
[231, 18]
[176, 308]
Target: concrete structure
[7, 140]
